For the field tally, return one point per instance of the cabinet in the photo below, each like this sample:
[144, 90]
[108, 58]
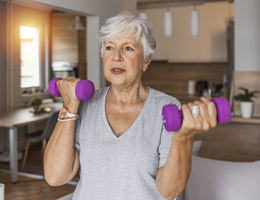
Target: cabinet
[68, 45]
[209, 46]
[232, 10]
[156, 16]
[182, 46]
[212, 44]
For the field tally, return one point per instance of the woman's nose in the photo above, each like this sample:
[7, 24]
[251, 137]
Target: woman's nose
[117, 57]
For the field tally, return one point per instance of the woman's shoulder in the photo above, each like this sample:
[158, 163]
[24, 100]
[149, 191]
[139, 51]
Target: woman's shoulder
[100, 92]
[97, 97]
[161, 98]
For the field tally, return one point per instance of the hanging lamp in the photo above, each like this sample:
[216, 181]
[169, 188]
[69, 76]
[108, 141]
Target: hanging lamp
[168, 22]
[194, 25]
[77, 24]
[143, 14]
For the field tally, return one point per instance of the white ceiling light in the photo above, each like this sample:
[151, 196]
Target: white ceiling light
[77, 24]
[143, 14]
[168, 22]
[194, 25]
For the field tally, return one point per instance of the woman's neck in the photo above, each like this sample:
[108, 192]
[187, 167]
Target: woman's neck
[127, 94]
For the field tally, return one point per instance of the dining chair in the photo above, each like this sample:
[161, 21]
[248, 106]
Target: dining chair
[41, 135]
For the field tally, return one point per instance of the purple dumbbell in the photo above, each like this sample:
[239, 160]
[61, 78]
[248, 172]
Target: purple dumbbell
[85, 89]
[172, 116]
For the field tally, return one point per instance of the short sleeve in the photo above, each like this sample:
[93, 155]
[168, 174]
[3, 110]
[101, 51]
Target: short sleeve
[78, 128]
[166, 141]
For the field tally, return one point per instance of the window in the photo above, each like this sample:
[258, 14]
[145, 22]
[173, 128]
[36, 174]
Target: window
[30, 67]
[30, 71]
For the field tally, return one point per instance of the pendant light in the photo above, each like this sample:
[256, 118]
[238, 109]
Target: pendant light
[77, 24]
[194, 25]
[168, 22]
[143, 15]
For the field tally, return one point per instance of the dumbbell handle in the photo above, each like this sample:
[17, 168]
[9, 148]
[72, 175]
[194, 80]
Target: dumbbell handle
[85, 89]
[173, 117]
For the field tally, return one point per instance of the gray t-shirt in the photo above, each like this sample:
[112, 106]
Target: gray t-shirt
[125, 167]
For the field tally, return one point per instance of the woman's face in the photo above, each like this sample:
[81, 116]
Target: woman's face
[123, 60]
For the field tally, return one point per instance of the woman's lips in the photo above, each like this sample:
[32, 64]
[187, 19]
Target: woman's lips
[117, 70]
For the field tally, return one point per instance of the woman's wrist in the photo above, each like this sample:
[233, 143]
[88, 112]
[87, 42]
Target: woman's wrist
[182, 137]
[72, 108]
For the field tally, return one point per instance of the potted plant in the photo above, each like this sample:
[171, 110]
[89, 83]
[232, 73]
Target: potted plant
[246, 104]
[36, 102]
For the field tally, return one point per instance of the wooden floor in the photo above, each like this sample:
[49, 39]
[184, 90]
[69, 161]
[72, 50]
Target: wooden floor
[232, 142]
[32, 189]
[34, 162]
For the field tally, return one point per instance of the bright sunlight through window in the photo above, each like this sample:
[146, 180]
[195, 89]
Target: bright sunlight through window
[30, 57]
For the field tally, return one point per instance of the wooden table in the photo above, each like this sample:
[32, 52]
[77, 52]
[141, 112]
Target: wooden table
[22, 117]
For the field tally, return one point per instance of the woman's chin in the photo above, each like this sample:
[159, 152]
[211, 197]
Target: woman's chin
[117, 82]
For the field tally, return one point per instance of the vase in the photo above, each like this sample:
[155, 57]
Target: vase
[246, 108]
[2, 191]
[36, 108]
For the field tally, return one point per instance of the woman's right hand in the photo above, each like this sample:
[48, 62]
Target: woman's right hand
[61, 158]
[67, 87]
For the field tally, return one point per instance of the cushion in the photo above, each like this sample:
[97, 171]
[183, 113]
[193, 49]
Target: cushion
[196, 147]
[225, 180]
[195, 150]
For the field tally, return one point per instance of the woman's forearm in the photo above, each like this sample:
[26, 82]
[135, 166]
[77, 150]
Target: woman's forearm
[61, 159]
[173, 177]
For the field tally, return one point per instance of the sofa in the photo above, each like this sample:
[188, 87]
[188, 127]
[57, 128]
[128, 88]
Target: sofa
[221, 180]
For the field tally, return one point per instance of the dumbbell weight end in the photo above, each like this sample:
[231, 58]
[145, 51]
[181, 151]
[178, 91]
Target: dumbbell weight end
[53, 88]
[224, 112]
[85, 90]
[172, 116]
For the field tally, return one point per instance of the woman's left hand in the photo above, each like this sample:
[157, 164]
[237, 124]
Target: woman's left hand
[192, 124]
[173, 176]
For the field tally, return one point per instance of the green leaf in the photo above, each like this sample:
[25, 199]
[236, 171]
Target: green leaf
[246, 96]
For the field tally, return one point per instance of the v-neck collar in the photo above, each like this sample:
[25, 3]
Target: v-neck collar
[111, 133]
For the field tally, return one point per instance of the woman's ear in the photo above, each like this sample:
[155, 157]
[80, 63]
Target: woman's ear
[148, 60]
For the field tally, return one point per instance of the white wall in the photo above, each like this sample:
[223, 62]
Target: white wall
[3, 58]
[95, 69]
[2, 72]
[247, 35]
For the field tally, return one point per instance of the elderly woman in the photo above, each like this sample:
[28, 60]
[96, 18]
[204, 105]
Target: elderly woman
[118, 139]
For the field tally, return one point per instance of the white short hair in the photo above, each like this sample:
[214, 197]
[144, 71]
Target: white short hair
[124, 25]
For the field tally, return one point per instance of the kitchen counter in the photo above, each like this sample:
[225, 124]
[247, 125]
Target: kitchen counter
[239, 119]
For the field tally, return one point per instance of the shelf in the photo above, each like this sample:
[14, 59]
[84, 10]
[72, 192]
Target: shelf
[239, 119]
[183, 96]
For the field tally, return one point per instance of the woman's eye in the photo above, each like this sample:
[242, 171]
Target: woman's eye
[109, 48]
[129, 49]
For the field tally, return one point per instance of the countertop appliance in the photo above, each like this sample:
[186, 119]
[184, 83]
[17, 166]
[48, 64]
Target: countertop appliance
[201, 86]
[64, 69]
